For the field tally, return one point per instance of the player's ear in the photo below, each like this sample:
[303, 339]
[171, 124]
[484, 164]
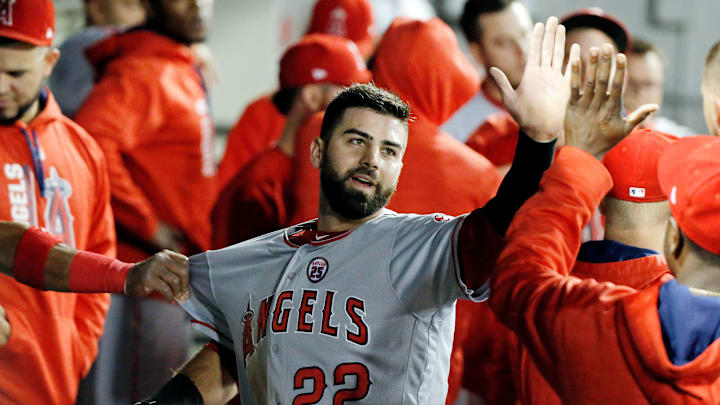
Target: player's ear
[316, 152]
[50, 59]
[674, 244]
[602, 207]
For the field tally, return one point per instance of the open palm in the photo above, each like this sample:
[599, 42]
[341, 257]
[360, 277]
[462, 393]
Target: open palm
[539, 103]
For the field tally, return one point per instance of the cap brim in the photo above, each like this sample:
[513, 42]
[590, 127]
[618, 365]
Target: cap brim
[674, 158]
[6, 33]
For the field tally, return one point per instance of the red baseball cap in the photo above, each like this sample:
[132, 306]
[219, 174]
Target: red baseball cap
[633, 163]
[689, 174]
[595, 17]
[320, 58]
[31, 21]
[352, 19]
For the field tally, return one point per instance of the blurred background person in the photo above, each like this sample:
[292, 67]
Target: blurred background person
[150, 113]
[646, 74]
[498, 34]
[72, 78]
[263, 121]
[711, 90]
[255, 201]
[54, 177]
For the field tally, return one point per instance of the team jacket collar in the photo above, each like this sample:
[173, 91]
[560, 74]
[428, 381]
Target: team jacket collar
[307, 233]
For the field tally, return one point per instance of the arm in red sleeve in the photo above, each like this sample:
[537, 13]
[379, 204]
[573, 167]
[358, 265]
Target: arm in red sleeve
[117, 113]
[90, 309]
[529, 292]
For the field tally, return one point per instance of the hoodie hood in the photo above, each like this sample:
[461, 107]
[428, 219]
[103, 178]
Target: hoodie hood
[422, 63]
[139, 42]
[49, 112]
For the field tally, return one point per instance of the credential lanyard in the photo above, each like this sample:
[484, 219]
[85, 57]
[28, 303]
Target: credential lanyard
[34, 146]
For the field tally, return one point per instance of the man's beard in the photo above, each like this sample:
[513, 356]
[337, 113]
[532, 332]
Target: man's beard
[347, 202]
[20, 112]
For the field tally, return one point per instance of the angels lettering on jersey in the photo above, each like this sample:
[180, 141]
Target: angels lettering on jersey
[58, 218]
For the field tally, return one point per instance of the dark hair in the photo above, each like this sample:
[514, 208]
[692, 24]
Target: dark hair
[639, 46]
[365, 96]
[284, 98]
[474, 9]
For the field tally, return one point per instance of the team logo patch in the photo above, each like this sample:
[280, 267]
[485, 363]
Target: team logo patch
[6, 12]
[442, 218]
[317, 269]
[248, 344]
[58, 217]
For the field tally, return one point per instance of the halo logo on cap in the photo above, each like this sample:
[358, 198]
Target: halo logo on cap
[318, 74]
[6, 12]
[637, 192]
[673, 195]
[337, 22]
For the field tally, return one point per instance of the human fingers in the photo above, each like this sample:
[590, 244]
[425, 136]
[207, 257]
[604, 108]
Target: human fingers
[535, 45]
[548, 41]
[602, 77]
[559, 53]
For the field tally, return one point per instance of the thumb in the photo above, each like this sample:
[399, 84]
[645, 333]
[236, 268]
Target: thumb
[637, 116]
[508, 94]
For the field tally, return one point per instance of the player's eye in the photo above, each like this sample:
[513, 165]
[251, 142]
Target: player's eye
[357, 141]
[16, 73]
[390, 151]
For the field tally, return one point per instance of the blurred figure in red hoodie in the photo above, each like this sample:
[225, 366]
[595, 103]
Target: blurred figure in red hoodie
[263, 121]
[149, 112]
[498, 34]
[422, 63]
[54, 177]
[254, 202]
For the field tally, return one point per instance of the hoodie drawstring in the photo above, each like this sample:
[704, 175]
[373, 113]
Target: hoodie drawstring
[36, 158]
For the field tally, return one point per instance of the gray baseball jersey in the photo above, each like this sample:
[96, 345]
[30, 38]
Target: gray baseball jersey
[364, 316]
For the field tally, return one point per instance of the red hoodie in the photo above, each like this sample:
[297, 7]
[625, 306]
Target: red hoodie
[150, 114]
[601, 261]
[422, 63]
[259, 126]
[54, 335]
[621, 356]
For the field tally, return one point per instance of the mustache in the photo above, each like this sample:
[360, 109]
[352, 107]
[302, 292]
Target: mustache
[364, 171]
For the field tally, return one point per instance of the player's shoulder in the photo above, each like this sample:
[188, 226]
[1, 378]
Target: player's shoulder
[392, 218]
[81, 139]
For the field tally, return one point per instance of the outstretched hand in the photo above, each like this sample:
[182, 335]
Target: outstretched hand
[594, 121]
[538, 105]
[165, 272]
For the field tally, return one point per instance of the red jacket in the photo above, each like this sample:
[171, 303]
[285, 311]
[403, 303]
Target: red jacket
[254, 201]
[150, 115]
[260, 125]
[496, 139]
[54, 335]
[439, 173]
[598, 260]
[620, 356]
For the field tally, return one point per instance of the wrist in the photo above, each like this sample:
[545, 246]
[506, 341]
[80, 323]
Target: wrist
[94, 273]
[31, 255]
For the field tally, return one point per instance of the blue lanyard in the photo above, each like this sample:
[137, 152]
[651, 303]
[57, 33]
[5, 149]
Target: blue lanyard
[37, 160]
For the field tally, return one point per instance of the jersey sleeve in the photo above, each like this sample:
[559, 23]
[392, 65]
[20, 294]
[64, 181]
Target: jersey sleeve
[204, 311]
[424, 269]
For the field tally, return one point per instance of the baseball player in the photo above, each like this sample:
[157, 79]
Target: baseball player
[711, 90]
[636, 213]
[358, 305]
[600, 343]
[264, 119]
[255, 201]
